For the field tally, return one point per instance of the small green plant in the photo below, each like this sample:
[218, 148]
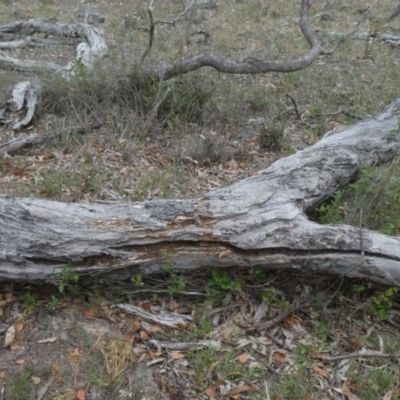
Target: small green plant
[271, 136]
[175, 283]
[270, 296]
[357, 288]
[379, 304]
[21, 387]
[65, 279]
[382, 303]
[258, 273]
[221, 280]
[29, 300]
[373, 201]
[54, 302]
[137, 280]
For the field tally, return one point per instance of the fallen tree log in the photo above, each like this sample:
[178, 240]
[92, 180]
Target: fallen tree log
[257, 222]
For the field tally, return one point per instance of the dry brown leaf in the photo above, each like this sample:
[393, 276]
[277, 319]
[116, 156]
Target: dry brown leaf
[176, 355]
[210, 392]
[14, 344]
[243, 357]
[354, 343]
[155, 329]
[173, 392]
[346, 390]
[281, 357]
[35, 380]
[3, 374]
[210, 370]
[64, 303]
[240, 389]
[10, 336]
[292, 320]
[91, 312]
[133, 325]
[19, 326]
[215, 183]
[388, 395]
[2, 303]
[144, 335]
[81, 394]
[142, 357]
[320, 371]
[174, 305]
[226, 335]
[154, 353]
[9, 297]
[19, 361]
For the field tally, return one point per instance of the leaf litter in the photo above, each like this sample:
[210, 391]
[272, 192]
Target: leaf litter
[188, 354]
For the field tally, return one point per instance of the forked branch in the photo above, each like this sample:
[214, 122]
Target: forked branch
[254, 66]
[251, 65]
[154, 22]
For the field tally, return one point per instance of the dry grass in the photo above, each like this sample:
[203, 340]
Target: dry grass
[200, 127]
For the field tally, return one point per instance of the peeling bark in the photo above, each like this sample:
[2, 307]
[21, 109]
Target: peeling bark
[257, 222]
[26, 94]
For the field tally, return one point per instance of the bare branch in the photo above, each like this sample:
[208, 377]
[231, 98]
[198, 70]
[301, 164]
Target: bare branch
[394, 13]
[153, 24]
[345, 37]
[30, 41]
[250, 65]
[294, 105]
[393, 40]
[150, 10]
[179, 17]
[18, 144]
[7, 62]
[87, 52]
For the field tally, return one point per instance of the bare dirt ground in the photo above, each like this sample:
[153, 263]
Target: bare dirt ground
[343, 340]
[68, 339]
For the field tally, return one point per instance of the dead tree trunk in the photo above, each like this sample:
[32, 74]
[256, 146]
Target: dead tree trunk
[258, 222]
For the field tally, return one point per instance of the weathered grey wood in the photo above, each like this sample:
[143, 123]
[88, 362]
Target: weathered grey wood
[258, 222]
[27, 93]
[18, 144]
[168, 320]
[24, 94]
[93, 47]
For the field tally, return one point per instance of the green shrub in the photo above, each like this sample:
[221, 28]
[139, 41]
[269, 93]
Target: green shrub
[373, 200]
